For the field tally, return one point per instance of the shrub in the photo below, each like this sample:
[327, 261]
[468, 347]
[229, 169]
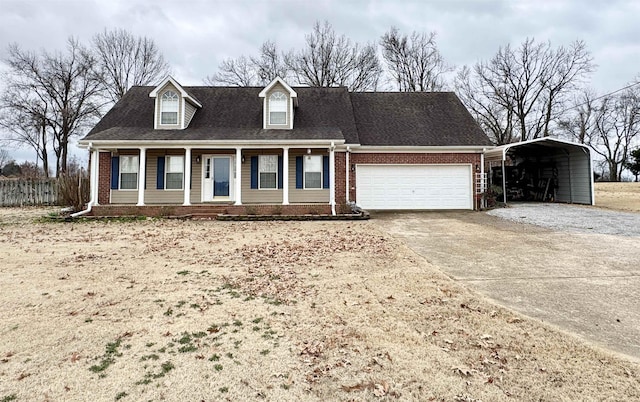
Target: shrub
[73, 190]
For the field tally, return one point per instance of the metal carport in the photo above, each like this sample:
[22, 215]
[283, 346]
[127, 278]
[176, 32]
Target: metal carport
[544, 169]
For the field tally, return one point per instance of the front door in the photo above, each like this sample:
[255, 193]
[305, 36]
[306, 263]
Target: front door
[217, 178]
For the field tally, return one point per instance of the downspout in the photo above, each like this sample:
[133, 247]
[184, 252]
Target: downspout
[332, 178]
[92, 186]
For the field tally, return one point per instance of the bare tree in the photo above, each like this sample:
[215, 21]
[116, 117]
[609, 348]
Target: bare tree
[617, 125]
[25, 122]
[330, 60]
[529, 84]
[269, 64]
[245, 72]
[125, 60]
[414, 62]
[4, 157]
[238, 72]
[495, 118]
[64, 85]
[578, 122]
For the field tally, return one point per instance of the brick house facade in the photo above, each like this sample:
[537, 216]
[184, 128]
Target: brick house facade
[277, 149]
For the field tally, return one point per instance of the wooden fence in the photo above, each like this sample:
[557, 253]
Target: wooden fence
[23, 192]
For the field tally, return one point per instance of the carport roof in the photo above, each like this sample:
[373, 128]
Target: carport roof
[501, 151]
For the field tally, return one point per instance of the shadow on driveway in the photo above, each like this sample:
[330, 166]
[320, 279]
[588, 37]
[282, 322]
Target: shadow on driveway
[584, 281]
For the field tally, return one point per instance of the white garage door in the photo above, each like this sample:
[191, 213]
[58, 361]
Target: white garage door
[414, 186]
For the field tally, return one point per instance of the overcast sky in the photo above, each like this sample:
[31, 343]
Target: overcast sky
[195, 36]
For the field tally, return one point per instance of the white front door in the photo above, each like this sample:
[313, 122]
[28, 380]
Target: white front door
[218, 178]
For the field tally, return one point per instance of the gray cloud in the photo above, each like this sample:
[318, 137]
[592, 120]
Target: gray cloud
[196, 36]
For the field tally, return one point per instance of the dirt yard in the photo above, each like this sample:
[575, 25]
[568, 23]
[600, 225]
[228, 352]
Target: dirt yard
[618, 196]
[206, 310]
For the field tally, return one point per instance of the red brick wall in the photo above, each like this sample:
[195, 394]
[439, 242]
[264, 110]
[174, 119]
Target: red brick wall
[341, 183]
[104, 177]
[210, 210]
[406, 158]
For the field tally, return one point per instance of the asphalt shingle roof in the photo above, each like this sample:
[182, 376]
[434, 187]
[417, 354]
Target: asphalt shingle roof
[415, 119]
[235, 113]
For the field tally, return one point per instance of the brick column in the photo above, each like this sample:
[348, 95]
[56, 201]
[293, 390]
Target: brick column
[104, 178]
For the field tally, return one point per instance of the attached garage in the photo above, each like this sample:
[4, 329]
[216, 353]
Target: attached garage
[544, 169]
[386, 186]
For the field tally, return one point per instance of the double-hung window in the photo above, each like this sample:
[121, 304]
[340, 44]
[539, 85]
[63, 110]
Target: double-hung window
[128, 172]
[278, 108]
[268, 169]
[174, 172]
[169, 108]
[313, 171]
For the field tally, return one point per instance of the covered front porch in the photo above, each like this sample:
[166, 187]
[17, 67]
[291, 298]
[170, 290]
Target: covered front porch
[251, 177]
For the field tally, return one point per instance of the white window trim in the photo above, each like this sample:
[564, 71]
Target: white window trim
[276, 172]
[166, 171]
[286, 109]
[304, 173]
[177, 112]
[136, 164]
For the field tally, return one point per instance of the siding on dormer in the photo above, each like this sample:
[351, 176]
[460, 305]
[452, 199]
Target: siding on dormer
[189, 111]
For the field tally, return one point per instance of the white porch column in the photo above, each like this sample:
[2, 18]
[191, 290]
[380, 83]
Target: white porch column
[93, 180]
[285, 176]
[238, 182]
[347, 169]
[332, 178]
[187, 176]
[142, 176]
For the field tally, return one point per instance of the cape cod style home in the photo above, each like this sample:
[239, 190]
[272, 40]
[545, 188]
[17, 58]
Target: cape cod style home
[178, 150]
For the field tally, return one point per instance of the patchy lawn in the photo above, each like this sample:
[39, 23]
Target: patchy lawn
[206, 310]
[619, 196]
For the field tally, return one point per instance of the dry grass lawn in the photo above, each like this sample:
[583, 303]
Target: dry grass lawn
[618, 196]
[279, 311]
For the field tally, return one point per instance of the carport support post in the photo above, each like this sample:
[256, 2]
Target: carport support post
[570, 174]
[504, 181]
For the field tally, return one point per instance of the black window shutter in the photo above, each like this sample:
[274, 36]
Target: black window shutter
[115, 172]
[160, 173]
[325, 171]
[299, 171]
[254, 172]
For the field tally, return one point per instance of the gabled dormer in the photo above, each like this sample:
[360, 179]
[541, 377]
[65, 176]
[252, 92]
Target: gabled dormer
[174, 106]
[279, 103]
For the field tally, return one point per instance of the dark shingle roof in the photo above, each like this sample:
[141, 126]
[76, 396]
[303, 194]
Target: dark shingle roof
[415, 119]
[235, 113]
[232, 113]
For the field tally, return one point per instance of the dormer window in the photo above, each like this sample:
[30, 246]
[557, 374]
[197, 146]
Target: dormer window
[278, 108]
[169, 108]
[279, 102]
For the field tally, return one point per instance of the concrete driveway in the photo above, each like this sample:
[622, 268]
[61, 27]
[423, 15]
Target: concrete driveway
[582, 281]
